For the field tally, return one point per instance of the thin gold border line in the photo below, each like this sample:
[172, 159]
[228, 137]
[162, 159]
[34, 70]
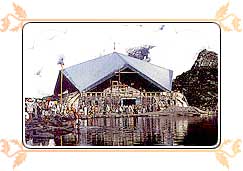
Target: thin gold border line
[117, 20]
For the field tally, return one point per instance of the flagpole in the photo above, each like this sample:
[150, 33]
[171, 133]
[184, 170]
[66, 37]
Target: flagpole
[61, 82]
[61, 86]
[60, 62]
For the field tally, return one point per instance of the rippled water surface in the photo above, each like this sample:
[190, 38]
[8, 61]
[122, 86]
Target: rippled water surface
[138, 131]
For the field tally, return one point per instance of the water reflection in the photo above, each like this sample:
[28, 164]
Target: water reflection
[139, 131]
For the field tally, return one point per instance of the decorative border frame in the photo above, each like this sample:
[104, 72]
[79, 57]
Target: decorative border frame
[221, 17]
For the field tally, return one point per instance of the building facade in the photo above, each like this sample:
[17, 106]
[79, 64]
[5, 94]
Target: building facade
[114, 82]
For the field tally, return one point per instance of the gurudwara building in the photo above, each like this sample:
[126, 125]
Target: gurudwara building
[117, 80]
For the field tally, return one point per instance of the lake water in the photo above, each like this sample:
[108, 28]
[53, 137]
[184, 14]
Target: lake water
[139, 131]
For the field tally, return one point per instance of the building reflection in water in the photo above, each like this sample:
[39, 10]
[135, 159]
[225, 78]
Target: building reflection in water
[136, 131]
[128, 131]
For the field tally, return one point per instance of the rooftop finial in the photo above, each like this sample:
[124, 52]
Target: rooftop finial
[114, 46]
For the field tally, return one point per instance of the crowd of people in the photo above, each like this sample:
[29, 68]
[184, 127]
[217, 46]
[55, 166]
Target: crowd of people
[37, 108]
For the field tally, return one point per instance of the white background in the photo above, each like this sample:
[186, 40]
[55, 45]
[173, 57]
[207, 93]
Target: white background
[11, 90]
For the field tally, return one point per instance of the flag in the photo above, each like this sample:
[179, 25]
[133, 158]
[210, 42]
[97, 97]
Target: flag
[60, 60]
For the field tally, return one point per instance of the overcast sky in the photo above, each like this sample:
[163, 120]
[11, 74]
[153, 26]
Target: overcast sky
[177, 46]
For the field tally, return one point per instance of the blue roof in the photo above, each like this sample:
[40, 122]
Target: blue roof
[89, 74]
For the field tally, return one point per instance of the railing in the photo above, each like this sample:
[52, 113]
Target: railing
[123, 93]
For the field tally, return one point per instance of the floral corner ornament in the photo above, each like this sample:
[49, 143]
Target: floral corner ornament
[18, 156]
[223, 156]
[222, 17]
[19, 15]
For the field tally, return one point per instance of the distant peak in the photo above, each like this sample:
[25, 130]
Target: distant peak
[206, 59]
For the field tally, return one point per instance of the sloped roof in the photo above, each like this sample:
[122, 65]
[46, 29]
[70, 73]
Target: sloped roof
[86, 75]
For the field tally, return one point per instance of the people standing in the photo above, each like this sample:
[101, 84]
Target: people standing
[85, 110]
[39, 110]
